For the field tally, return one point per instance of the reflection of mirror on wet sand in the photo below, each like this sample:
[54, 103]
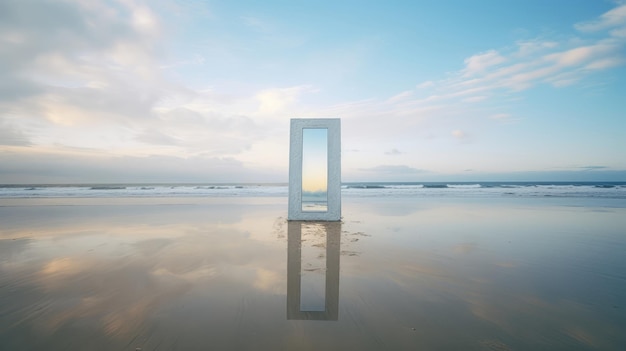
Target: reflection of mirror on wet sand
[304, 270]
[211, 273]
[314, 169]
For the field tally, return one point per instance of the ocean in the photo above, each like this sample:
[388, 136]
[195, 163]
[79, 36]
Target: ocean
[616, 190]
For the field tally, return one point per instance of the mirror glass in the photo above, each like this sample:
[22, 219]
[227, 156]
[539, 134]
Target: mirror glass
[314, 169]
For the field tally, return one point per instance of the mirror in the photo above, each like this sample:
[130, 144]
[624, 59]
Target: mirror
[314, 169]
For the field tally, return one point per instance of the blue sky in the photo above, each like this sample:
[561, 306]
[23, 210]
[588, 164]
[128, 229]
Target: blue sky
[202, 91]
[314, 160]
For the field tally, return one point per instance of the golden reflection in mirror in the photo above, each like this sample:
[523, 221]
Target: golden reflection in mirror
[324, 236]
[315, 170]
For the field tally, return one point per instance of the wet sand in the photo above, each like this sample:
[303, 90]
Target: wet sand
[232, 274]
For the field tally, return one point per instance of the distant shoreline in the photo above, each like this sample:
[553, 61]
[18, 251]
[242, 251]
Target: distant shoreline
[350, 189]
[355, 183]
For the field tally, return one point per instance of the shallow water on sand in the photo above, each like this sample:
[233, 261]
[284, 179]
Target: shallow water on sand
[232, 274]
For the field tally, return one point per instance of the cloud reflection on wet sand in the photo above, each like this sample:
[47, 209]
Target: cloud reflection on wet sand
[446, 275]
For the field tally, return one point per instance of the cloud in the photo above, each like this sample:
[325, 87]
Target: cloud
[492, 73]
[529, 47]
[612, 18]
[195, 130]
[425, 85]
[480, 62]
[459, 134]
[272, 101]
[11, 135]
[89, 167]
[72, 63]
[393, 152]
[478, 98]
[153, 136]
[593, 168]
[605, 63]
[257, 24]
[500, 116]
[580, 55]
[619, 33]
[399, 97]
[103, 75]
[394, 170]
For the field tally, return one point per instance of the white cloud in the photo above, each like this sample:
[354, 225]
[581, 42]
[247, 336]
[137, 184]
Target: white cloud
[605, 63]
[83, 86]
[69, 70]
[529, 47]
[38, 166]
[154, 136]
[256, 23]
[480, 62]
[272, 101]
[394, 152]
[389, 173]
[400, 97]
[394, 170]
[426, 84]
[495, 72]
[612, 18]
[500, 116]
[580, 55]
[619, 33]
[81, 70]
[144, 20]
[564, 79]
[539, 61]
[593, 168]
[11, 135]
[459, 134]
[478, 98]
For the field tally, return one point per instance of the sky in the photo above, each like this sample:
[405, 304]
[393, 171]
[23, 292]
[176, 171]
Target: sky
[314, 160]
[202, 91]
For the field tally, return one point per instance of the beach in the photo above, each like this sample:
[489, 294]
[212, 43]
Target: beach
[231, 273]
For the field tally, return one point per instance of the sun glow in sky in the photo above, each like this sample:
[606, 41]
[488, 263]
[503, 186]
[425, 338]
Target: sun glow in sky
[202, 91]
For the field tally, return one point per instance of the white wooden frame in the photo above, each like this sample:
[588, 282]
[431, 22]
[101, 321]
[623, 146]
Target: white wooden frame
[333, 212]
